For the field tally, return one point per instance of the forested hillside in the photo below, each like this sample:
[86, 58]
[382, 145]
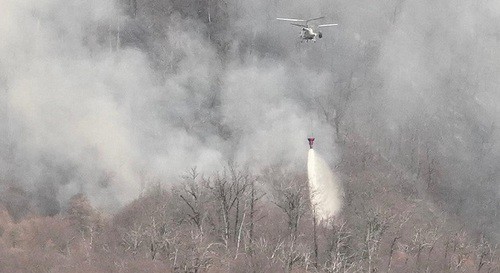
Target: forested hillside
[170, 136]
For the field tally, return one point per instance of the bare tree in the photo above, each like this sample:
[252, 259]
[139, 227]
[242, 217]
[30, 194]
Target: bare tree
[290, 195]
[192, 196]
[228, 190]
[133, 239]
[255, 196]
[375, 227]
[339, 258]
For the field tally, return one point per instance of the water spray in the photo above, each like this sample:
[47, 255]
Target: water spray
[324, 187]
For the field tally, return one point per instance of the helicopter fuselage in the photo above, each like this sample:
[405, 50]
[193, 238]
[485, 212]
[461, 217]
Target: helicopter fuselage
[308, 33]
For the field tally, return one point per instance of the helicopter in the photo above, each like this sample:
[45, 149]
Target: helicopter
[308, 32]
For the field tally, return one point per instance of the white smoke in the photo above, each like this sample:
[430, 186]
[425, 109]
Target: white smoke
[324, 188]
[83, 110]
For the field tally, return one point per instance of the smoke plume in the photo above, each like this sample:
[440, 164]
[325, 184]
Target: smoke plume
[96, 102]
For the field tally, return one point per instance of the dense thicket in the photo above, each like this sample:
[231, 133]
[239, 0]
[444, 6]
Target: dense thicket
[232, 221]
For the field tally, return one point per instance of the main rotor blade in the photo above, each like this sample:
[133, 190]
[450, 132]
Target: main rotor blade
[298, 25]
[328, 25]
[291, 20]
[315, 19]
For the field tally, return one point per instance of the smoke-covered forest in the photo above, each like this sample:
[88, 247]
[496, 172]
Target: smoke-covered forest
[170, 135]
